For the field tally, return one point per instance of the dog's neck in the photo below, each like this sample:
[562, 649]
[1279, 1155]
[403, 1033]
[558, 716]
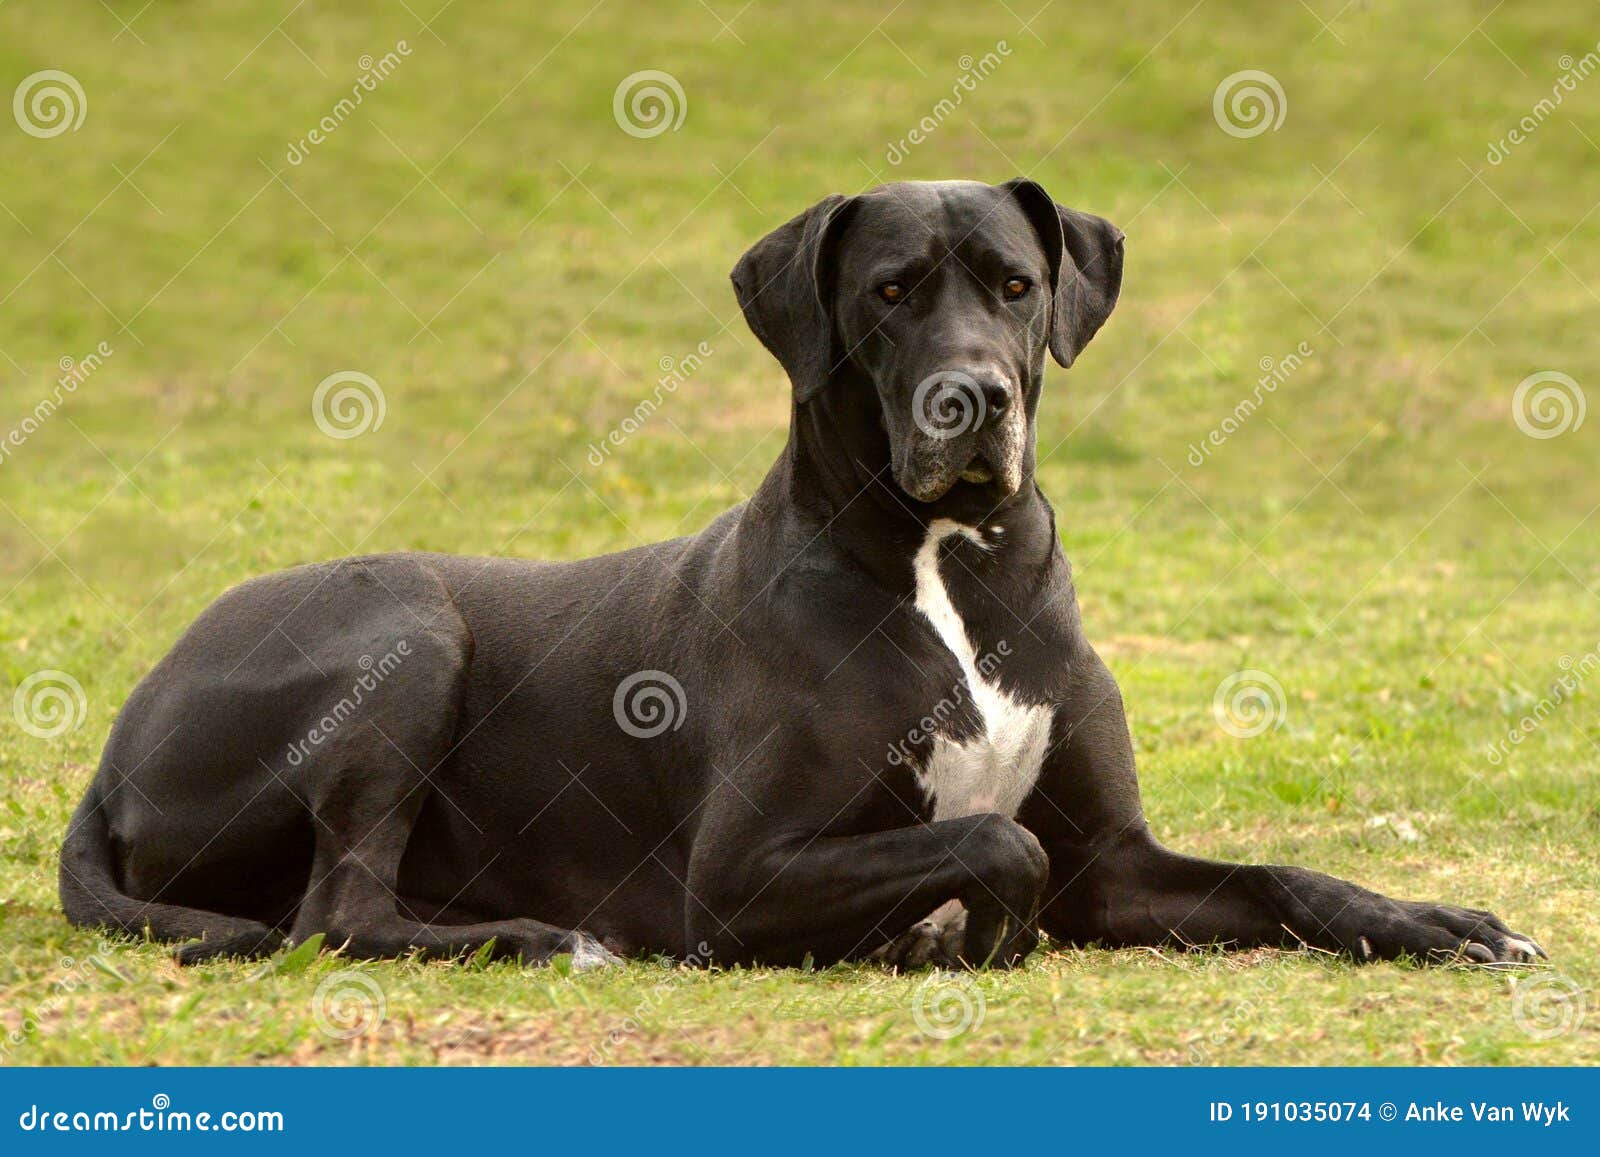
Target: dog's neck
[834, 483]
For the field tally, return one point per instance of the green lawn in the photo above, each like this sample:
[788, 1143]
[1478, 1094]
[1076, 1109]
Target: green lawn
[482, 239]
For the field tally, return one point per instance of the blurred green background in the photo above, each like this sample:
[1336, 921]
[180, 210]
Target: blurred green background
[484, 240]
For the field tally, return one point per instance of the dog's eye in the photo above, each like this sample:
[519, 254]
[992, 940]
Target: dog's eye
[1017, 288]
[891, 291]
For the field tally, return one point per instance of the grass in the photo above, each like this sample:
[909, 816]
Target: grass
[481, 238]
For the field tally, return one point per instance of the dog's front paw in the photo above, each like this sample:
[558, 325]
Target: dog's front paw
[1436, 933]
[936, 940]
[588, 953]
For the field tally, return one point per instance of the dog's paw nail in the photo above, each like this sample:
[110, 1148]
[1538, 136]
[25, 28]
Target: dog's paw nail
[1516, 946]
[1479, 952]
[1364, 948]
[589, 953]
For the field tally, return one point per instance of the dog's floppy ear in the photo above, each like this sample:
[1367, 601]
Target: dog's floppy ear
[785, 285]
[1085, 254]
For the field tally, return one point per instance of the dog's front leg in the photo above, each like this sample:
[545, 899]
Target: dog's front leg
[779, 900]
[1113, 883]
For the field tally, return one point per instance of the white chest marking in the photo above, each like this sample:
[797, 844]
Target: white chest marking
[993, 771]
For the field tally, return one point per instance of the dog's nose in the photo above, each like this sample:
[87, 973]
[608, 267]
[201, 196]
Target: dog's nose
[995, 392]
[951, 402]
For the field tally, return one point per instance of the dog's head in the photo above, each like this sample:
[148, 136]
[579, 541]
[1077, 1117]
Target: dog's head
[933, 304]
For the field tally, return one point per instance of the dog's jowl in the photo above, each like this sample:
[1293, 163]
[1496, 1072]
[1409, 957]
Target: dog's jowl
[856, 716]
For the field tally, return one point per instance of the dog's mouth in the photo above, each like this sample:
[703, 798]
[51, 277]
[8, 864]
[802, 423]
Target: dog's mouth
[977, 471]
[987, 465]
[930, 477]
[937, 480]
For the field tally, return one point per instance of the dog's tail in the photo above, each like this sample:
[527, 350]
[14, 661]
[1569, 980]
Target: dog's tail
[93, 897]
[90, 893]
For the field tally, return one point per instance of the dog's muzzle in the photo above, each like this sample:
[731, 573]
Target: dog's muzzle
[966, 426]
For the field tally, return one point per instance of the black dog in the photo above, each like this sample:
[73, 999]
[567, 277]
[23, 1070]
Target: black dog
[860, 698]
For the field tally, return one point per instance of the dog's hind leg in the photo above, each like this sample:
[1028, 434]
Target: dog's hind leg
[353, 900]
[365, 788]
